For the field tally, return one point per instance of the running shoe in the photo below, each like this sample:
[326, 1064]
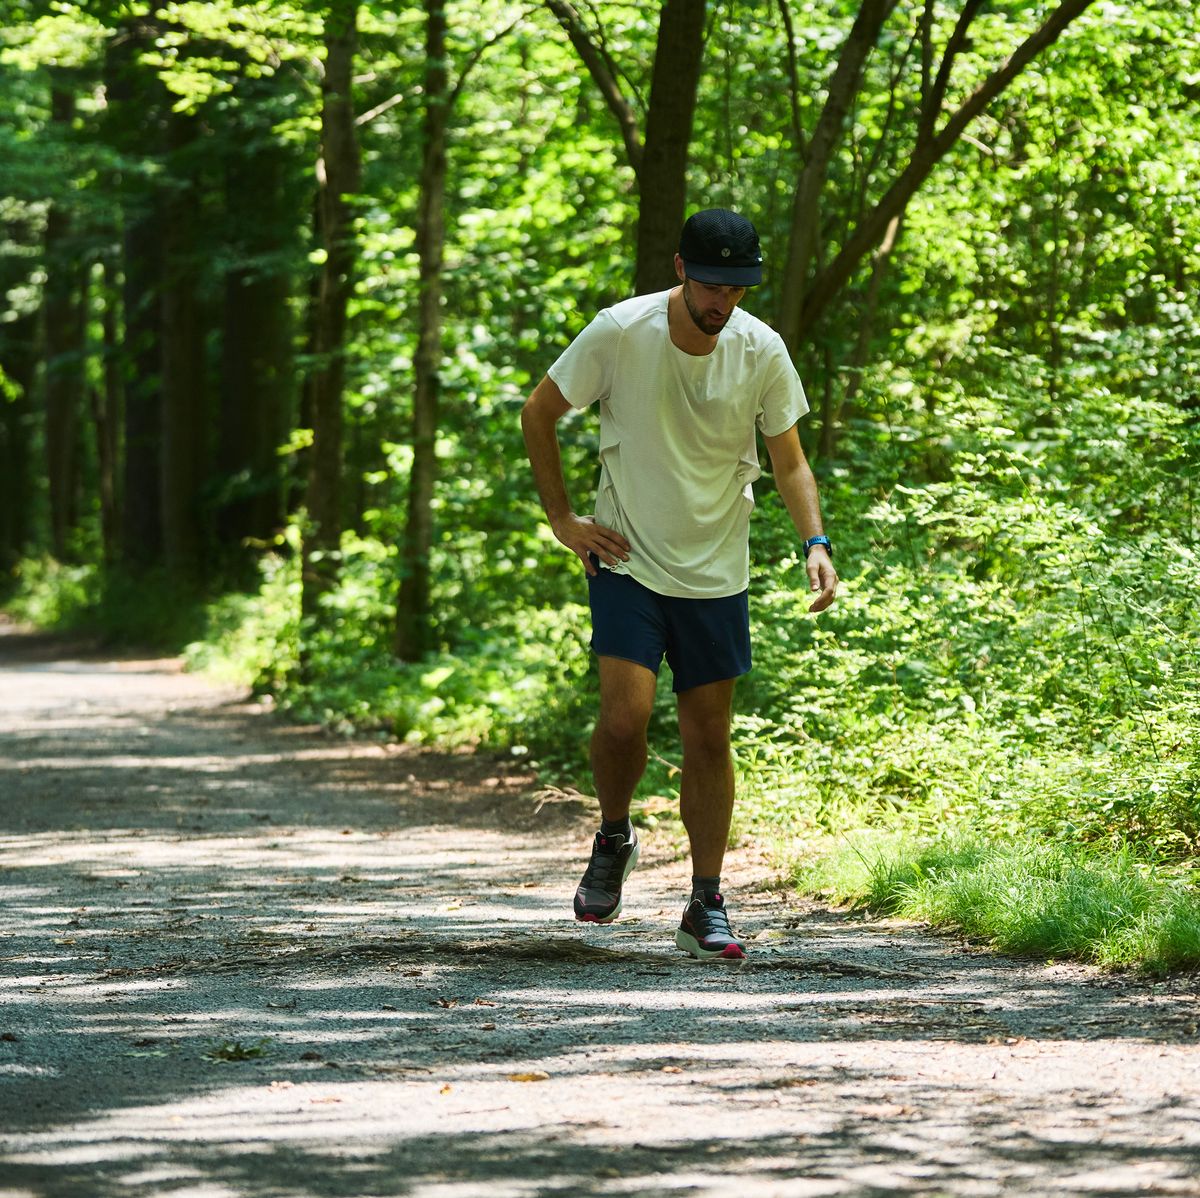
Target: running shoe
[598, 899]
[705, 932]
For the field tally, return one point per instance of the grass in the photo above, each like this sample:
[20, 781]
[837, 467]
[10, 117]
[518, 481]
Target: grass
[1026, 897]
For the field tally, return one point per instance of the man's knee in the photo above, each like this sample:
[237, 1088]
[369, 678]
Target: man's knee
[705, 734]
[622, 727]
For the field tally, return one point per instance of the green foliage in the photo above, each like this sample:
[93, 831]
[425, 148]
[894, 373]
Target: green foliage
[1025, 897]
[224, 1051]
[49, 594]
[150, 610]
[1012, 490]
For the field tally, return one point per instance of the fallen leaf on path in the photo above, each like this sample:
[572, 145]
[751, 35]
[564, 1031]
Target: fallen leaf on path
[534, 1075]
[324, 1101]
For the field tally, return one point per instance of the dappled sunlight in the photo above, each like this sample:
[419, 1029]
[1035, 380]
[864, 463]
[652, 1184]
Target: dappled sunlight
[232, 970]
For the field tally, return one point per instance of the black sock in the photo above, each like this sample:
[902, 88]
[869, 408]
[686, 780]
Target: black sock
[705, 888]
[616, 827]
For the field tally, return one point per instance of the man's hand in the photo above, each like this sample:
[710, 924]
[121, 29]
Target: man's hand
[821, 577]
[583, 536]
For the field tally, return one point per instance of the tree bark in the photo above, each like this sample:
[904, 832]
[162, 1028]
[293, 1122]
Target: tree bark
[134, 120]
[65, 332]
[662, 179]
[183, 390]
[257, 375]
[106, 416]
[660, 164]
[18, 362]
[338, 174]
[413, 628]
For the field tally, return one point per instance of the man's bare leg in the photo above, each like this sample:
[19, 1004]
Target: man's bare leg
[618, 760]
[619, 740]
[706, 804]
[706, 789]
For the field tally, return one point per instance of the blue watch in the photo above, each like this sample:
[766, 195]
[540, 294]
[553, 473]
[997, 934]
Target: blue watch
[818, 541]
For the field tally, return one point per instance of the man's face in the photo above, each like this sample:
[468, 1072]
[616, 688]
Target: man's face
[710, 305]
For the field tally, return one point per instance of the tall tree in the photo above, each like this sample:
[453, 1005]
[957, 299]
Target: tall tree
[659, 158]
[64, 347]
[338, 175]
[662, 177]
[257, 372]
[412, 605]
[18, 372]
[413, 628]
[134, 122]
[183, 461]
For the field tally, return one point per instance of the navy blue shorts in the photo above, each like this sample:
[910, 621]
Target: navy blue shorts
[704, 640]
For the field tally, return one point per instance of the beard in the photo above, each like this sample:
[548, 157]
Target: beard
[707, 322]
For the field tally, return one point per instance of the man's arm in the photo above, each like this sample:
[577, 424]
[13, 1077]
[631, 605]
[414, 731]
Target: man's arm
[794, 478]
[544, 408]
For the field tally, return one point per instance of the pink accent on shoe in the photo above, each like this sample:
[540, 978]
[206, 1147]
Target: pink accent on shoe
[589, 919]
[733, 952]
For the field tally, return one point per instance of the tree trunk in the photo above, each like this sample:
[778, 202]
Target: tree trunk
[18, 361]
[257, 383]
[65, 332]
[413, 625]
[662, 179]
[134, 120]
[661, 163]
[106, 416]
[337, 181]
[141, 498]
[183, 390]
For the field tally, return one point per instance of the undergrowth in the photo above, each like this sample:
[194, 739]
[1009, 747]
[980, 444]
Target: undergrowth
[1023, 896]
[1009, 680]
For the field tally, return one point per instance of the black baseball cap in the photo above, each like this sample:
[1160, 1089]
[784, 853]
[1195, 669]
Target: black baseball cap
[719, 246]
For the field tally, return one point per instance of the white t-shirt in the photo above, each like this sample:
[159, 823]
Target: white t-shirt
[677, 439]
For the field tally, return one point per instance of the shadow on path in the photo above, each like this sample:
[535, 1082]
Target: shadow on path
[241, 958]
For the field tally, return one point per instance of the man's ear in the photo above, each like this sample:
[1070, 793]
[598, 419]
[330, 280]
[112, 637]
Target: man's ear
[680, 274]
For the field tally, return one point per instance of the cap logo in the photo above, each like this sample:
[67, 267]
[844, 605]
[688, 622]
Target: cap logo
[725, 252]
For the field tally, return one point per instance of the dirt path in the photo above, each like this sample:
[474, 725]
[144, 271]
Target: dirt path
[185, 880]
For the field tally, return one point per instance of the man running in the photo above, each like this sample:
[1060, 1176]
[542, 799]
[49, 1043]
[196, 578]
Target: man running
[684, 378]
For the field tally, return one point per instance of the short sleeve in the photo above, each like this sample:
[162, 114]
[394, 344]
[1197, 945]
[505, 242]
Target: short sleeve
[781, 399]
[584, 370]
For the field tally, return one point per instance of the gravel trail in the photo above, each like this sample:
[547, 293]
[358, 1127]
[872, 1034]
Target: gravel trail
[241, 958]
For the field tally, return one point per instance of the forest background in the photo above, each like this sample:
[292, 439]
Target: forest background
[277, 278]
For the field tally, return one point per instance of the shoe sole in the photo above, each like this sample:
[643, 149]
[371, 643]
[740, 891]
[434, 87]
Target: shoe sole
[633, 860]
[689, 944]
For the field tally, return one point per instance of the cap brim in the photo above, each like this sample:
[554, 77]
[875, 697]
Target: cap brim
[724, 276]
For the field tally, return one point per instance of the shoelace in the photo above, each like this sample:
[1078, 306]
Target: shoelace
[601, 867]
[713, 921]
